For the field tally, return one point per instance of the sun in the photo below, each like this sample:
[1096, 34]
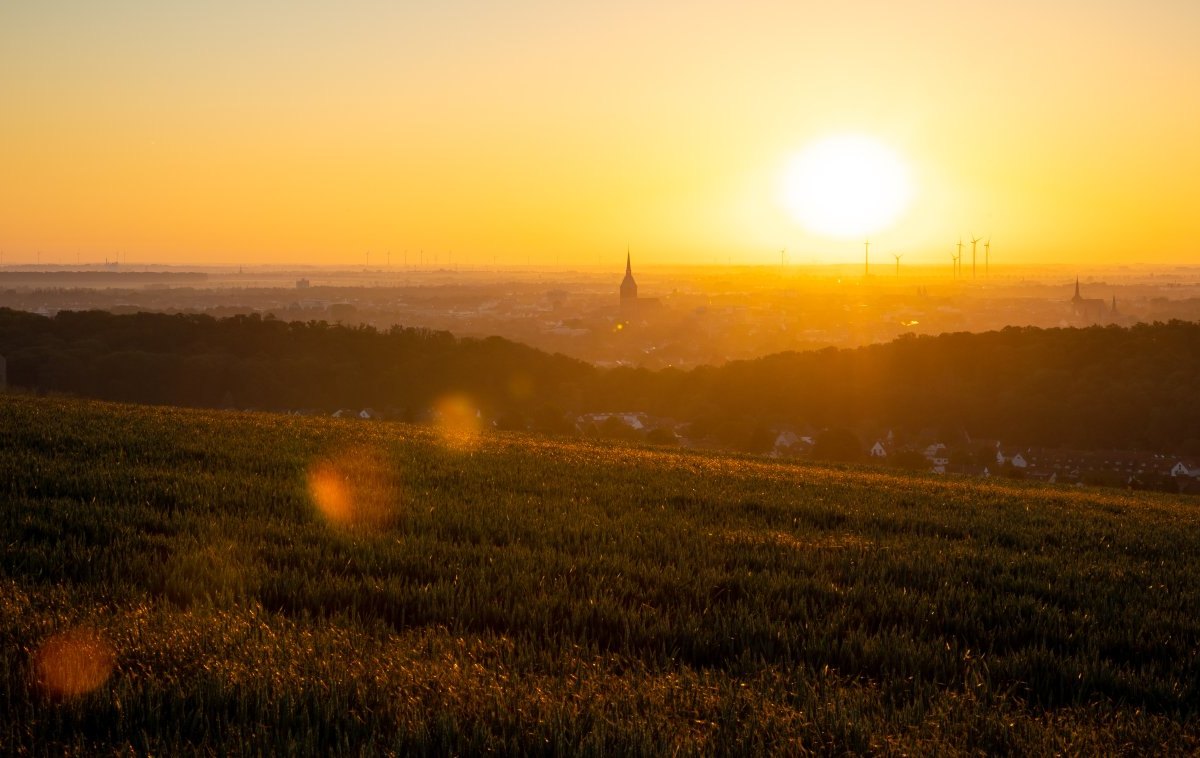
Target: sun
[846, 185]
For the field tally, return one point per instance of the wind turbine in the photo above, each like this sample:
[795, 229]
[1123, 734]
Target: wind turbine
[973, 241]
[958, 258]
[987, 246]
[897, 256]
[866, 256]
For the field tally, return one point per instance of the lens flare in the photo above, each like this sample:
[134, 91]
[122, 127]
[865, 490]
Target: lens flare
[73, 663]
[356, 489]
[459, 422]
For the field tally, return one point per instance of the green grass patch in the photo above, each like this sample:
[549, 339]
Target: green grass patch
[174, 580]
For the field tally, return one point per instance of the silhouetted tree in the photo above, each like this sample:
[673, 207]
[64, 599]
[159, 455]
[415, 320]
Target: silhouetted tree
[837, 444]
[1100, 387]
[662, 436]
[910, 460]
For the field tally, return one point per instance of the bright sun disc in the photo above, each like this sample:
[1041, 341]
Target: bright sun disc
[846, 186]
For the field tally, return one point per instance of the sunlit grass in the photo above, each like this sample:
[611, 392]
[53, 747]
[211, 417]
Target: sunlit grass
[187, 591]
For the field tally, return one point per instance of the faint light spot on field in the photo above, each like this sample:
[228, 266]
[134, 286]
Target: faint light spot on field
[73, 663]
[354, 489]
[520, 386]
[802, 542]
[458, 421]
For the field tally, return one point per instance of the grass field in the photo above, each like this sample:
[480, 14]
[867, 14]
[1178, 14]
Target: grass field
[175, 581]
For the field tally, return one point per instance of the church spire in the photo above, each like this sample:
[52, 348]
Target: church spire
[628, 285]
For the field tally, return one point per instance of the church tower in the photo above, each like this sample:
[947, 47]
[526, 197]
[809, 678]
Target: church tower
[629, 294]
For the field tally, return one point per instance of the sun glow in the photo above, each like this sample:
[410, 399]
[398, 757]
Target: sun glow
[458, 421]
[846, 186]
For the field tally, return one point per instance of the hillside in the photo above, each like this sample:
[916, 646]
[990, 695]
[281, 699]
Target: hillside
[1100, 388]
[178, 580]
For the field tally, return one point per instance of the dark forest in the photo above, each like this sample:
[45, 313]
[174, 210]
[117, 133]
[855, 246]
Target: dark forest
[1095, 388]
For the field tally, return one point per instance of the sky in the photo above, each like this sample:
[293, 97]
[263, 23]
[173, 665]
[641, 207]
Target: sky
[540, 132]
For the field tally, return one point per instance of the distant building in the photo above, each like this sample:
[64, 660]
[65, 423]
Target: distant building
[634, 420]
[629, 291]
[1091, 310]
[938, 457]
[789, 443]
[1182, 469]
[302, 284]
[629, 294]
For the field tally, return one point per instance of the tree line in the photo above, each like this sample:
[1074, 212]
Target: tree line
[1098, 388]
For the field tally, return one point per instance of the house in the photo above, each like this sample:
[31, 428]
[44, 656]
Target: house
[1182, 469]
[938, 457]
[631, 420]
[635, 420]
[1017, 460]
[786, 439]
[790, 444]
[877, 450]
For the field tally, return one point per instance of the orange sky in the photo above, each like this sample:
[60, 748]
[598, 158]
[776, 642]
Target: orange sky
[271, 132]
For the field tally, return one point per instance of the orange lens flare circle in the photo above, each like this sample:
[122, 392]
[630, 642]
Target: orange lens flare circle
[73, 663]
[354, 489]
[458, 421]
